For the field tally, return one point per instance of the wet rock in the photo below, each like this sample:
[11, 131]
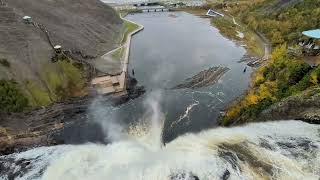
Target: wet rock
[133, 91]
[43, 126]
[184, 175]
[303, 106]
[248, 155]
[204, 78]
[30, 129]
[226, 175]
[230, 157]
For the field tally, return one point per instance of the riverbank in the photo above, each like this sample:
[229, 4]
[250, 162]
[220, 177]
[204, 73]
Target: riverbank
[116, 83]
[285, 79]
[19, 131]
[231, 28]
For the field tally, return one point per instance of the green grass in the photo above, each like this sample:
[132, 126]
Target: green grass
[128, 27]
[11, 98]
[228, 29]
[118, 54]
[61, 82]
[39, 96]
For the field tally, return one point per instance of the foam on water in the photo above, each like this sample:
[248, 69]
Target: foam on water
[269, 150]
[279, 150]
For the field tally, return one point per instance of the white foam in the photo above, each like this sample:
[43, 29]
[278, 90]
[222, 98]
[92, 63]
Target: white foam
[194, 153]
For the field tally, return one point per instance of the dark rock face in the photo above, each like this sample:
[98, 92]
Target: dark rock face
[226, 175]
[60, 121]
[36, 128]
[133, 91]
[304, 106]
[204, 78]
[184, 175]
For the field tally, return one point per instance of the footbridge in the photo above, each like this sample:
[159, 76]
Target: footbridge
[153, 8]
[145, 3]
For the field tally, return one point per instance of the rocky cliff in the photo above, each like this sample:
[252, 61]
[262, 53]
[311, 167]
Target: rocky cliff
[85, 28]
[304, 106]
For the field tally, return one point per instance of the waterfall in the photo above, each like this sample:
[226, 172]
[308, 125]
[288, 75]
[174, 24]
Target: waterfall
[269, 150]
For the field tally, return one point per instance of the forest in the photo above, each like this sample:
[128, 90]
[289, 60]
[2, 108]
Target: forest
[285, 74]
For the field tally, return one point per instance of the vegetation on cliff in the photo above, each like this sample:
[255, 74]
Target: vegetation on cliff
[11, 99]
[85, 29]
[68, 82]
[284, 75]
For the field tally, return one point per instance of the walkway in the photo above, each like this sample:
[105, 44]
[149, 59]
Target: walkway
[110, 84]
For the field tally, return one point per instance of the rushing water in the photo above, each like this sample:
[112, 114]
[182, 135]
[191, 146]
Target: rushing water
[167, 51]
[274, 150]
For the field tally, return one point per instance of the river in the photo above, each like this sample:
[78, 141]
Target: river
[172, 134]
[172, 48]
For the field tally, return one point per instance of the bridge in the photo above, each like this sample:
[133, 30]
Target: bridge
[143, 3]
[153, 9]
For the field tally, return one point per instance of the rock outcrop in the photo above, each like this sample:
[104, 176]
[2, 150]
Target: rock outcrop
[304, 106]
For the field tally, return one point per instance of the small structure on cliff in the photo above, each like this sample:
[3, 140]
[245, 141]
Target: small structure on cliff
[57, 49]
[309, 47]
[109, 84]
[310, 42]
[27, 19]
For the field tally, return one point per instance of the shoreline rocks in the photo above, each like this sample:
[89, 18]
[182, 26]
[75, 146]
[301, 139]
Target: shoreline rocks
[22, 131]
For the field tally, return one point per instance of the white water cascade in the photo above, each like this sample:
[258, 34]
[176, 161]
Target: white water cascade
[269, 150]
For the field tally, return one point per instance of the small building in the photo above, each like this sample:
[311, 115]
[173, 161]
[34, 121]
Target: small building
[310, 42]
[105, 85]
[308, 47]
[213, 13]
[315, 34]
[27, 19]
[57, 49]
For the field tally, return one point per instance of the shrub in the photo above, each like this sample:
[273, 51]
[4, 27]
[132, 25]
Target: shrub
[5, 63]
[297, 72]
[11, 99]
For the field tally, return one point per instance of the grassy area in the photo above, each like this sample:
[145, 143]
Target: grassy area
[11, 98]
[195, 11]
[118, 54]
[229, 29]
[38, 95]
[74, 81]
[128, 27]
[59, 83]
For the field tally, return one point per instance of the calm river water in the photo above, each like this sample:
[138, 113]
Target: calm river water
[174, 47]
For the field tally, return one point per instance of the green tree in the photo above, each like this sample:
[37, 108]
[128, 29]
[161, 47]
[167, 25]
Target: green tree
[11, 99]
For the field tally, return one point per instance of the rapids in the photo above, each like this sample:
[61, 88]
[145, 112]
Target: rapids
[268, 150]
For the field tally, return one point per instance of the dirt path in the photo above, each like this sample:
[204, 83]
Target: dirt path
[263, 39]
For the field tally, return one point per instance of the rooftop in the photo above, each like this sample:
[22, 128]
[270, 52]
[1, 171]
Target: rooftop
[312, 33]
[26, 17]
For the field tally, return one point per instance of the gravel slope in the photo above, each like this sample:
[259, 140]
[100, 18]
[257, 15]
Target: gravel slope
[86, 26]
